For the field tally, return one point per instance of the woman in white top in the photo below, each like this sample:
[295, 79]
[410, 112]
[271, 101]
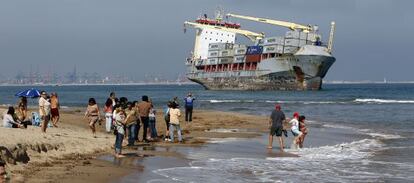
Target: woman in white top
[8, 120]
[44, 110]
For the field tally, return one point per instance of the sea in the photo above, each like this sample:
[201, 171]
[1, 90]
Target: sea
[357, 133]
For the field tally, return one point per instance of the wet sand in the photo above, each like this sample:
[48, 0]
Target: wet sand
[68, 153]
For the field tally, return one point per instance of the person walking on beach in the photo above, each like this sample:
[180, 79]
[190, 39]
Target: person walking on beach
[54, 105]
[303, 129]
[276, 120]
[295, 130]
[175, 122]
[44, 110]
[93, 115]
[108, 110]
[119, 123]
[144, 108]
[189, 100]
[131, 122]
[167, 121]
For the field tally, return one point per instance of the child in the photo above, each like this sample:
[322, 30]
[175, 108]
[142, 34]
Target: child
[295, 130]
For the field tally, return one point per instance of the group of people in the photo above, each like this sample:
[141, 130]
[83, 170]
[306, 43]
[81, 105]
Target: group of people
[125, 119]
[277, 126]
[18, 117]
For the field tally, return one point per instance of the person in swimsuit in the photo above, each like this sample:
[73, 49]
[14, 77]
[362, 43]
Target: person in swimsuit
[93, 115]
[303, 129]
[54, 105]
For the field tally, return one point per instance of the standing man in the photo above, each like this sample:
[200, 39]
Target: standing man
[144, 109]
[44, 110]
[113, 98]
[276, 126]
[131, 123]
[189, 100]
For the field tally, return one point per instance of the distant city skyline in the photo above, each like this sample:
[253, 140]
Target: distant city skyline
[136, 39]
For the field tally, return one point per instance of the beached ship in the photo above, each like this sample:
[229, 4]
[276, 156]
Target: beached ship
[299, 60]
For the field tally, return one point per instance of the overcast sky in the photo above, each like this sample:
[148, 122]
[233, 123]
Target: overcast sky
[374, 38]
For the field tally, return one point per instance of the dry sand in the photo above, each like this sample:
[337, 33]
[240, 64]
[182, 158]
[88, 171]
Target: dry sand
[68, 153]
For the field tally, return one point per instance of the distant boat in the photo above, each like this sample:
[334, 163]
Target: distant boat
[385, 80]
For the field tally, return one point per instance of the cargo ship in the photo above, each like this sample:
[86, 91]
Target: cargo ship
[299, 60]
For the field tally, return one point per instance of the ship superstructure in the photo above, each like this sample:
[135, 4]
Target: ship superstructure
[297, 61]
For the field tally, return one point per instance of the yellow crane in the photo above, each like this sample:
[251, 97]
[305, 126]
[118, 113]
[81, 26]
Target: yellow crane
[253, 36]
[290, 25]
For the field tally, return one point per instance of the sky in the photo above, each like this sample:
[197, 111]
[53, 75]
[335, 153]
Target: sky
[374, 38]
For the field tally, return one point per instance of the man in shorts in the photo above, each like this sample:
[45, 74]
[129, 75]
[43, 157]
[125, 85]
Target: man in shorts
[276, 127]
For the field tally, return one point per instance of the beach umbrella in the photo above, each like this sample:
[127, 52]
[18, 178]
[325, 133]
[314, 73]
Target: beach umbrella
[30, 93]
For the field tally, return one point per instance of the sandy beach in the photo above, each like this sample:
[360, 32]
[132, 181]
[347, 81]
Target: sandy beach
[68, 153]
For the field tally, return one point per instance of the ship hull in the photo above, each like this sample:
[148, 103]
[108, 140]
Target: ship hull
[302, 72]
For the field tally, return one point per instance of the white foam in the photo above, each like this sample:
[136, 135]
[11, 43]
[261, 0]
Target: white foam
[346, 162]
[231, 101]
[222, 140]
[385, 136]
[374, 100]
[338, 126]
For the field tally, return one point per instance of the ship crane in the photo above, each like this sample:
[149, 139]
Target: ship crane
[290, 25]
[253, 36]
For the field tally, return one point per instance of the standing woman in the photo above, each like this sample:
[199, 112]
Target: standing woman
[44, 110]
[92, 113]
[119, 123]
[303, 129]
[108, 110]
[175, 122]
[55, 106]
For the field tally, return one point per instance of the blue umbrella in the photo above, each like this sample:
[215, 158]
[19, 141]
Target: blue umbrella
[32, 93]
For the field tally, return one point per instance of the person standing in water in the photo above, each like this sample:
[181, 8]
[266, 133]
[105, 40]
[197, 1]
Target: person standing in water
[54, 104]
[303, 129]
[295, 130]
[92, 113]
[276, 126]
[189, 100]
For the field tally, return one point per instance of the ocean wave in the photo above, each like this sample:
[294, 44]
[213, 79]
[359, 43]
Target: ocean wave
[345, 162]
[231, 101]
[304, 102]
[385, 136]
[386, 101]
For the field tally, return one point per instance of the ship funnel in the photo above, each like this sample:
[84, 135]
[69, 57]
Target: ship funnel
[331, 36]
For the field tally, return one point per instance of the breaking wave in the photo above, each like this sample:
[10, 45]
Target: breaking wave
[373, 100]
[346, 162]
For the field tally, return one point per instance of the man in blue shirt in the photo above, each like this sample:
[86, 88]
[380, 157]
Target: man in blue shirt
[189, 100]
